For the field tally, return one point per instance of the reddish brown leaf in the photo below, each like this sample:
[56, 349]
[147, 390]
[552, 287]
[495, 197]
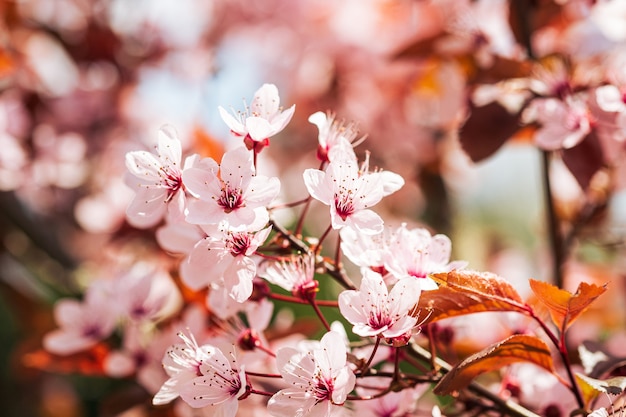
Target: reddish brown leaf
[564, 306]
[480, 143]
[584, 160]
[517, 348]
[465, 292]
[527, 16]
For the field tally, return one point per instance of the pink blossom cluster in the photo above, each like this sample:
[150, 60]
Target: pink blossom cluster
[218, 218]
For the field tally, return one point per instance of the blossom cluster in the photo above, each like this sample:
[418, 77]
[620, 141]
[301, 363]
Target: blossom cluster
[218, 219]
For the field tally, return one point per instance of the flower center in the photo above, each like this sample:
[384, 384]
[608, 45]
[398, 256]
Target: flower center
[238, 243]
[323, 390]
[231, 199]
[172, 180]
[343, 204]
[379, 318]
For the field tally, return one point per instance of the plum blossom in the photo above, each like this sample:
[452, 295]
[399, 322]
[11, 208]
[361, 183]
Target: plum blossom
[295, 275]
[319, 379]
[156, 179]
[146, 294]
[264, 119]
[399, 252]
[392, 404]
[416, 253]
[182, 362]
[219, 384]
[564, 124]
[222, 261]
[349, 195]
[331, 133]
[237, 195]
[82, 324]
[375, 311]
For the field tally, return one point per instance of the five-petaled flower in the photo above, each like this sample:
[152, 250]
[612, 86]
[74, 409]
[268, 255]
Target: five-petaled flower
[349, 195]
[222, 261]
[262, 120]
[375, 311]
[295, 275]
[157, 180]
[237, 195]
[331, 133]
[220, 385]
[182, 362]
[319, 379]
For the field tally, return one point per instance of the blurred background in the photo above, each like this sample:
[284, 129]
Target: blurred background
[82, 82]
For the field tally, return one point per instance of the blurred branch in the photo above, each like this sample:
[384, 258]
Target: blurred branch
[41, 233]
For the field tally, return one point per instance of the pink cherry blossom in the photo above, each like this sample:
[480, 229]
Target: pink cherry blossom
[262, 120]
[219, 385]
[222, 260]
[237, 195]
[295, 275]
[375, 311]
[416, 253]
[349, 195]
[156, 179]
[182, 362]
[331, 133]
[146, 294]
[366, 251]
[82, 324]
[564, 124]
[319, 379]
[392, 404]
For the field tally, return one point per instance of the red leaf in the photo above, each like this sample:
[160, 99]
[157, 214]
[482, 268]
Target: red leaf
[584, 160]
[486, 130]
[517, 348]
[465, 292]
[564, 306]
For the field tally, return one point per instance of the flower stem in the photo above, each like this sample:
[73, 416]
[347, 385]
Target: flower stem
[262, 375]
[556, 240]
[318, 247]
[319, 314]
[371, 358]
[289, 299]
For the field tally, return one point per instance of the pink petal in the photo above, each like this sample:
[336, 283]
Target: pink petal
[262, 190]
[201, 182]
[237, 168]
[352, 307]
[343, 385]
[366, 221]
[169, 146]
[62, 342]
[233, 124]
[203, 266]
[282, 119]
[258, 128]
[266, 101]
[610, 98]
[404, 296]
[147, 208]
[291, 402]
[144, 165]
[332, 356]
[315, 182]
[238, 278]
